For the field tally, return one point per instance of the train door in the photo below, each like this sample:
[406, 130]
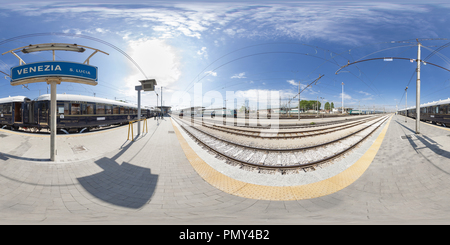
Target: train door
[17, 112]
[43, 113]
[25, 108]
[31, 112]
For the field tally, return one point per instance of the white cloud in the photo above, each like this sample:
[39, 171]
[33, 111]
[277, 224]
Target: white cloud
[346, 96]
[157, 59]
[240, 75]
[292, 82]
[126, 36]
[365, 93]
[212, 73]
[333, 21]
[203, 52]
[101, 30]
[230, 32]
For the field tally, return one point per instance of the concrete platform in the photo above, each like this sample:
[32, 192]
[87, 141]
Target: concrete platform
[102, 178]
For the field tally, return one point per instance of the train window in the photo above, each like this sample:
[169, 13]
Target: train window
[76, 109]
[100, 109]
[108, 109]
[441, 109]
[66, 108]
[115, 110]
[42, 106]
[90, 109]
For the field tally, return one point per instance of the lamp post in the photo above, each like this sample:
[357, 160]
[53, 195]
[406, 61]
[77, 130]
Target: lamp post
[342, 98]
[323, 106]
[146, 85]
[418, 90]
[317, 106]
[406, 101]
[161, 104]
[298, 111]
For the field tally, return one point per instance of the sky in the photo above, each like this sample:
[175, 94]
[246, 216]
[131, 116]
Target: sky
[213, 53]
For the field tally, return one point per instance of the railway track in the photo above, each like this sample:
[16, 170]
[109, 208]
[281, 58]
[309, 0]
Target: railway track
[284, 160]
[283, 126]
[284, 134]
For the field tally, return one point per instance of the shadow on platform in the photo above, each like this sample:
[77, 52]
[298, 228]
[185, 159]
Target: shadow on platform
[428, 143]
[412, 131]
[124, 185]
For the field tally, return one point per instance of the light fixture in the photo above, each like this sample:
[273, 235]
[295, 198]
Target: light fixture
[53, 46]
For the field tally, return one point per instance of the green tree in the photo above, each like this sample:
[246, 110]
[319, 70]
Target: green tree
[327, 106]
[332, 105]
[309, 104]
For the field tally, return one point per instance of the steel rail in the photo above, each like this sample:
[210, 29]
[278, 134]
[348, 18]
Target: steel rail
[278, 135]
[288, 167]
[292, 126]
[282, 149]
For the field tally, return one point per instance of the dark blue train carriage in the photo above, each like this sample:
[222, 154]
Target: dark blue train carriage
[14, 112]
[75, 113]
[80, 112]
[436, 112]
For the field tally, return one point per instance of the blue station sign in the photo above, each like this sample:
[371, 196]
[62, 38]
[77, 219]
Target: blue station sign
[54, 68]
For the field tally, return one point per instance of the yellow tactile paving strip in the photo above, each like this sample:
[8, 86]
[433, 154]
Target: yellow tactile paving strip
[281, 193]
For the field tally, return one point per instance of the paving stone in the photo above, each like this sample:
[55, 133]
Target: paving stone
[152, 181]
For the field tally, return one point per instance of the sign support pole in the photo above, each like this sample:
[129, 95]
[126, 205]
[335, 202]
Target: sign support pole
[53, 82]
[139, 108]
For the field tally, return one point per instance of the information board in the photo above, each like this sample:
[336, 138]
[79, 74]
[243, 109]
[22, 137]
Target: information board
[54, 68]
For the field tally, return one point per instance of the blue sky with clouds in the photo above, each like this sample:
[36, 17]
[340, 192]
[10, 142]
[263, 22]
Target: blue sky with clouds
[247, 46]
